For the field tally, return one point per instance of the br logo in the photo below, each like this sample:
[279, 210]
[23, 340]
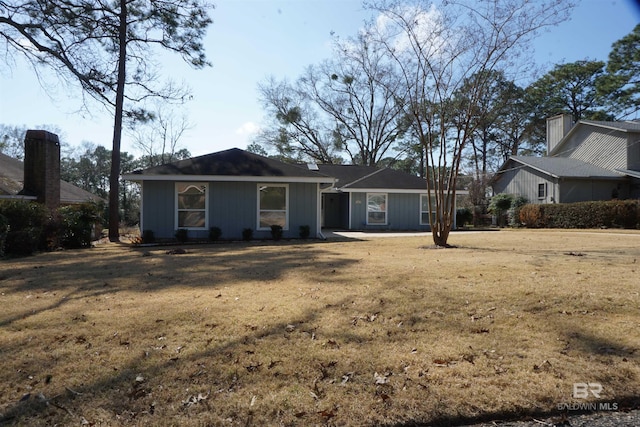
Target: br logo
[582, 390]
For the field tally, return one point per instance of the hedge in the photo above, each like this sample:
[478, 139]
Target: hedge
[26, 227]
[600, 214]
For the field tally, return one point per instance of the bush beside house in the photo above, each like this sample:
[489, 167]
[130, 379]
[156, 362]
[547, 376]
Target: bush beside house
[31, 227]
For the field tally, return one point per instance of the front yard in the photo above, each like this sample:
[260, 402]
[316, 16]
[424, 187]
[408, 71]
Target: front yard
[384, 331]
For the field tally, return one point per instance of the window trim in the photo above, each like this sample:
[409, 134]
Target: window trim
[542, 186]
[206, 205]
[258, 210]
[428, 211]
[386, 208]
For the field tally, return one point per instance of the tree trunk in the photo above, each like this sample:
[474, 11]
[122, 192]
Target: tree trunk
[114, 177]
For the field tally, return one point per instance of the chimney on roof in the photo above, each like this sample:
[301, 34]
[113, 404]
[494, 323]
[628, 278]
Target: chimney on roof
[42, 167]
[557, 127]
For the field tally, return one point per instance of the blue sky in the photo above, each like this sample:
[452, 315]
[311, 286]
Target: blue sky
[253, 39]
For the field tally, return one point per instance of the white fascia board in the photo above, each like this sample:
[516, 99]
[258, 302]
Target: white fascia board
[393, 190]
[226, 178]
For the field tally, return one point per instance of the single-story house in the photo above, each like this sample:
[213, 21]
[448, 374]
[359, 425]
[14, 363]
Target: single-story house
[585, 161]
[38, 177]
[370, 198]
[235, 190]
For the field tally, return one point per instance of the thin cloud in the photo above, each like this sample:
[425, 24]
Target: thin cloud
[248, 128]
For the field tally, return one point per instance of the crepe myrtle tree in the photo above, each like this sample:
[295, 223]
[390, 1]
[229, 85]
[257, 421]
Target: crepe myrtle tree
[441, 48]
[107, 47]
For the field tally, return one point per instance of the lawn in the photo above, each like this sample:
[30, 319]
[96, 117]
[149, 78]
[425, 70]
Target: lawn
[386, 331]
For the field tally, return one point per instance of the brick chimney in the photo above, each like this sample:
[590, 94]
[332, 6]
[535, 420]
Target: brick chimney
[42, 167]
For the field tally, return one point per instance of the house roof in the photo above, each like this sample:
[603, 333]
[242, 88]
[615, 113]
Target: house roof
[565, 167]
[229, 165]
[354, 177]
[627, 127]
[12, 180]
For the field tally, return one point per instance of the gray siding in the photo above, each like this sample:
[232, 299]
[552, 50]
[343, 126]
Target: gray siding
[158, 204]
[633, 142]
[606, 148]
[524, 181]
[580, 190]
[232, 207]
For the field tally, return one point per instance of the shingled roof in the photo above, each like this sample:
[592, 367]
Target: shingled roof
[369, 177]
[565, 167]
[12, 180]
[229, 163]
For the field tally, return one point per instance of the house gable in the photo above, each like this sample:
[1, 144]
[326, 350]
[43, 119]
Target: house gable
[610, 145]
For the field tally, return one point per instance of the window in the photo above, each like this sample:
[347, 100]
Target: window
[273, 204]
[425, 217]
[191, 205]
[376, 208]
[542, 191]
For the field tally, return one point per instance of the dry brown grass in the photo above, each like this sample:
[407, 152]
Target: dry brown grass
[379, 332]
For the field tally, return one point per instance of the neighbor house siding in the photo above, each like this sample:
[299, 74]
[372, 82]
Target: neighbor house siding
[578, 190]
[633, 144]
[524, 181]
[606, 148]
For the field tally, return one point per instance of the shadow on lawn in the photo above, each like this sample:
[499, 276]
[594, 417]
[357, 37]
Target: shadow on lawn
[126, 268]
[131, 400]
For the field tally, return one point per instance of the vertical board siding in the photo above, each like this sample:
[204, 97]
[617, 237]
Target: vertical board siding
[579, 190]
[233, 206]
[606, 148]
[403, 212]
[358, 211]
[303, 209]
[523, 181]
[159, 208]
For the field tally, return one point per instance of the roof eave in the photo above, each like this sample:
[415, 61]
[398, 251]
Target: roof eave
[228, 178]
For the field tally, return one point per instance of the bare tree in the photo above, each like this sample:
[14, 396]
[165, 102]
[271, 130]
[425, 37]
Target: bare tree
[346, 105]
[159, 137]
[437, 50]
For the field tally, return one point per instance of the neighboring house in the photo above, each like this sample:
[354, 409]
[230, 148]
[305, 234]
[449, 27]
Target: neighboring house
[235, 190]
[38, 177]
[591, 160]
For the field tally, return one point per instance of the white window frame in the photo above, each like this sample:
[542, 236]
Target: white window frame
[428, 211]
[286, 211]
[206, 205]
[386, 208]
